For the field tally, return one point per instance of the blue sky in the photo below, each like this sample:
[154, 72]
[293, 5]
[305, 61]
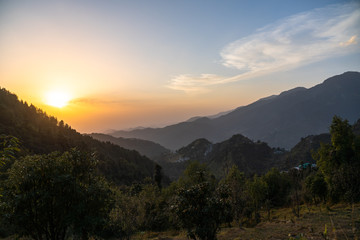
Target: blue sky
[152, 63]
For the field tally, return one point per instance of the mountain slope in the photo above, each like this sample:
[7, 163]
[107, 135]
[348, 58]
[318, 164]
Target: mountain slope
[39, 134]
[278, 120]
[152, 150]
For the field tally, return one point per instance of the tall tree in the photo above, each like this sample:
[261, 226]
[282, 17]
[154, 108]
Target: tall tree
[278, 188]
[257, 190]
[316, 187]
[47, 195]
[340, 162]
[199, 205]
[236, 182]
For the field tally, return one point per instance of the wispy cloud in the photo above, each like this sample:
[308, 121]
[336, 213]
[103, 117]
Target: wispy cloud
[192, 83]
[102, 101]
[292, 42]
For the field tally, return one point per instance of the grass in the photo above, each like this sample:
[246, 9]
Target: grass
[338, 220]
[284, 225]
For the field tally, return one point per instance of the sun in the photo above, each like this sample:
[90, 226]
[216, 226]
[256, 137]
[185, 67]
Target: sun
[57, 99]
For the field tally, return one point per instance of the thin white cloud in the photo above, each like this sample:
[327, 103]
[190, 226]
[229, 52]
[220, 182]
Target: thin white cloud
[292, 42]
[351, 41]
[192, 83]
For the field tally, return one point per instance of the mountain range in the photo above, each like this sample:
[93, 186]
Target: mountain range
[280, 120]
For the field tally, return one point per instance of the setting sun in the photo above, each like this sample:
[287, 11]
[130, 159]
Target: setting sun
[57, 99]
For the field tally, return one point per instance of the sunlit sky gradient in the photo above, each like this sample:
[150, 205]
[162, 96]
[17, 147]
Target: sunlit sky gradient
[135, 63]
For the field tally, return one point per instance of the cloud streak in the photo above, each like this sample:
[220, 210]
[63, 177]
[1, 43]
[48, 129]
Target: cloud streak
[195, 84]
[101, 101]
[292, 42]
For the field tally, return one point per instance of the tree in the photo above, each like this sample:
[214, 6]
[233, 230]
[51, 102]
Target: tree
[316, 186]
[199, 205]
[153, 209]
[124, 216]
[49, 195]
[278, 188]
[201, 210]
[340, 162]
[257, 190]
[195, 173]
[9, 146]
[296, 179]
[236, 182]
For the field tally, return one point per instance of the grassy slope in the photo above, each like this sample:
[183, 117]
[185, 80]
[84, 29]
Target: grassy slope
[284, 225]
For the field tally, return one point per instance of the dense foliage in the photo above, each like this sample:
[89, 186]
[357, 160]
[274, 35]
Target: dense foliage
[340, 162]
[48, 196]
[199, 205]
[9, 146]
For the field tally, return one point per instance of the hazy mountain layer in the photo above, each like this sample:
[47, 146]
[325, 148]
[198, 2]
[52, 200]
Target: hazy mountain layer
[152, 150]
[278, 120]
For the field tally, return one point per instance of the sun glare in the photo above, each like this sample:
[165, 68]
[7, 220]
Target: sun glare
[57, 99]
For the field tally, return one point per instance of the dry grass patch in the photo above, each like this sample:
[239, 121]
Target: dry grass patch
[284, 225]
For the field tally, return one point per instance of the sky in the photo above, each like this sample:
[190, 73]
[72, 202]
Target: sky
[124, 64]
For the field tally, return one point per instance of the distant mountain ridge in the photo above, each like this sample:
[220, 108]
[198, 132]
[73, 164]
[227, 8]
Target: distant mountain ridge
[152, 150]
[279, 120]
[211, 116]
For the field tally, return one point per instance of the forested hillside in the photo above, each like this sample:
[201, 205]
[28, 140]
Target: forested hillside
[39, 133]
[248, 156]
